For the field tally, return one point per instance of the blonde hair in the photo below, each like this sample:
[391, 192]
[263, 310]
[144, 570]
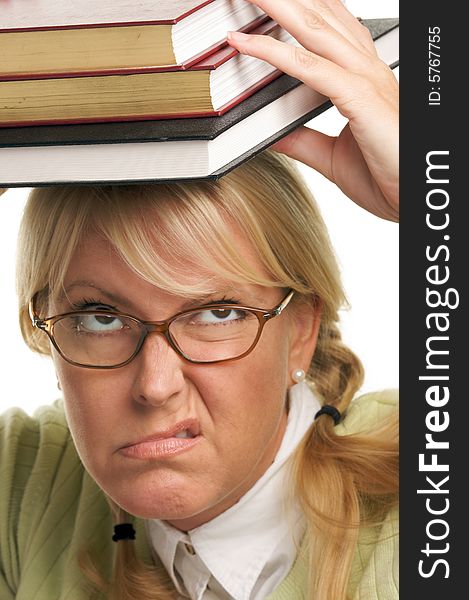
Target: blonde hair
[342, 482]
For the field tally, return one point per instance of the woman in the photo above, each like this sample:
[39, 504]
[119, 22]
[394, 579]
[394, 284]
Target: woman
[207, 394]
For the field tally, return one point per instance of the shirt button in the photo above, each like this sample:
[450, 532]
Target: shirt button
[190, 549]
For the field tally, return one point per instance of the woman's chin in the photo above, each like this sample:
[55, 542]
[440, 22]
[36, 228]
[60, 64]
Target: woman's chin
[167, 504]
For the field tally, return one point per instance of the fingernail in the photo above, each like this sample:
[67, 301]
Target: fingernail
[236, 36]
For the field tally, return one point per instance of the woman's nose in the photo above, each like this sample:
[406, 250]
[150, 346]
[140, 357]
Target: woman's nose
[158, 372]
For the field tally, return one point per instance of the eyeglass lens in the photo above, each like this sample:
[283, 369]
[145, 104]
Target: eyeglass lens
[206, 335]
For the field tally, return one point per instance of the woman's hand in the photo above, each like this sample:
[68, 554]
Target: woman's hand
[339, 60]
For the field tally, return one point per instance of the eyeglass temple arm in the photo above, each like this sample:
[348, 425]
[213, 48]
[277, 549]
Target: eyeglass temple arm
[278, 309]
[35, 320]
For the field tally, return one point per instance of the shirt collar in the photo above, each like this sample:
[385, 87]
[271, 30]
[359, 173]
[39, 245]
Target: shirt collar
[251, 559]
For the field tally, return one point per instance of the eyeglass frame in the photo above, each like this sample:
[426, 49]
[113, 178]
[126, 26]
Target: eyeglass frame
[161, 327]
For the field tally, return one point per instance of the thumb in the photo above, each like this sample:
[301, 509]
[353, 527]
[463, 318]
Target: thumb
[309, 147]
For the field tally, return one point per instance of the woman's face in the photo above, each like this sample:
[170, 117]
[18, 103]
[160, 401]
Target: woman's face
[236, 410]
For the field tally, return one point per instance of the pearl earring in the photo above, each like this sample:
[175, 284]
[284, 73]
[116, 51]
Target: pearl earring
[298, 375]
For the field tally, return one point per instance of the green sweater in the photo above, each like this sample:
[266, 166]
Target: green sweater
[50, 508]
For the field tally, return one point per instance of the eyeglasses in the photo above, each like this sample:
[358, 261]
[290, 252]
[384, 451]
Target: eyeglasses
[98, 339]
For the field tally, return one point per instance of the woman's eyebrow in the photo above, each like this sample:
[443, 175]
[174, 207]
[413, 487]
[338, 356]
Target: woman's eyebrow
[64, 295]
[229, 295]
[215, 295]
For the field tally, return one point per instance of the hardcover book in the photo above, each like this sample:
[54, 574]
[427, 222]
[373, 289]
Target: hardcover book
[53, 36]
[169, 149]
[210, 87]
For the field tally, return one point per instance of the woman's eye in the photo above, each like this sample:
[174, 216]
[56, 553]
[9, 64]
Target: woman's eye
[218, 315]
[99, 323]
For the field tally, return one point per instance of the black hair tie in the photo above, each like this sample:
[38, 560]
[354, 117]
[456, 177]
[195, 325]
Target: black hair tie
[332, 411]
[123, 531]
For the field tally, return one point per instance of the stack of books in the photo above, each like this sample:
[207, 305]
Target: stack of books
[145, 91]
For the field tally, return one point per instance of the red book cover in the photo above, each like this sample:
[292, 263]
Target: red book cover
[209, 60]
[209, 64]
[40, 15]
[157, 116]
[49, 37]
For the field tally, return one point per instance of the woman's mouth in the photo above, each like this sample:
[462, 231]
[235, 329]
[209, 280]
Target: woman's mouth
[184, 434]
[164, 444]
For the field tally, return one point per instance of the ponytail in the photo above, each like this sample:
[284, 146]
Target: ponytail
[131, 577]
[343, 482]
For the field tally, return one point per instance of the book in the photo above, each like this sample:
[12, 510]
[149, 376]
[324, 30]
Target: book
[208, 88]
[169, 149]
[53, 36]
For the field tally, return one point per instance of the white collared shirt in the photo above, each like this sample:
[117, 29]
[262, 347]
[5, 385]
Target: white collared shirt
[247, 551]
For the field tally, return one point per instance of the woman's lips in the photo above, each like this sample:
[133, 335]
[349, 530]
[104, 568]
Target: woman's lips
[162, 448]
[174, 440]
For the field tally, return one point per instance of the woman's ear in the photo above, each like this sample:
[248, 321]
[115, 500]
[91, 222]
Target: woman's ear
[305, 322]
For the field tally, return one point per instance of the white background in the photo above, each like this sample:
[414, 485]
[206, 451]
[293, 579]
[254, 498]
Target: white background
[366, 247]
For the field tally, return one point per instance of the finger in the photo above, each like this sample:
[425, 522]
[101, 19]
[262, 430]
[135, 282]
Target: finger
[302, 12]
[319, 151]
[3, 190]
[310, 147]
[317, 72]
[351, 22]
[314, 33]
